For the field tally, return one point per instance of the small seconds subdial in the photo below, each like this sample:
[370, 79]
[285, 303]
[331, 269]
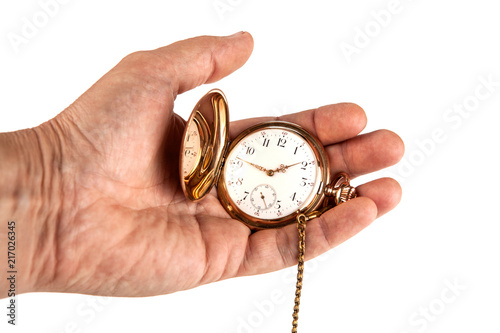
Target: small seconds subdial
[263, 197]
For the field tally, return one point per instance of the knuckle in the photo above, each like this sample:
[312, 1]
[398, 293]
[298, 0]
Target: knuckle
[146, 63]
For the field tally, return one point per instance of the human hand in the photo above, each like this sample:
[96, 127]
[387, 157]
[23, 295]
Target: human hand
[104, 213]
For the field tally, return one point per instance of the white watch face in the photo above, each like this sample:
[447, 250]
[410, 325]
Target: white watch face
[271, 173]
[190, 149]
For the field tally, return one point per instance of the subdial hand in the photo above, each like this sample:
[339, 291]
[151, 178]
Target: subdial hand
[263, 199]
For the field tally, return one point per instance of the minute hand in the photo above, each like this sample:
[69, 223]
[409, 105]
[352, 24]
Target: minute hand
[254, 165]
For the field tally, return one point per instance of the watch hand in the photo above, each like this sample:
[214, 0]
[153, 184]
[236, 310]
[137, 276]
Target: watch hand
[254, 165]
[282, 168]
[262, 197]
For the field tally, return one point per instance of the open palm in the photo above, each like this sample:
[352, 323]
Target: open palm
[124, 227]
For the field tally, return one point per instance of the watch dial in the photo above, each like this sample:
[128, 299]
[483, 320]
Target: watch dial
[190, 149]
[271, 173]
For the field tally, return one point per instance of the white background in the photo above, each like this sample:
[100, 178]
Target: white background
[406, 75]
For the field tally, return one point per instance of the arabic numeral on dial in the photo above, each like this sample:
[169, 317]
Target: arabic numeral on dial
[278, 204]
[239, 181]
[304, 182]
[293, 196]
[266, 142]
[281, 142]
[246, 195]
[250, 150]
[295, 152]
[304, 165]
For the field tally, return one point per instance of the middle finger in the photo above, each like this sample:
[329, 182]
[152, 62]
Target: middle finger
[365, 153]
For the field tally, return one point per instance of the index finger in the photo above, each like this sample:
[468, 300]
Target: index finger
[330, 123]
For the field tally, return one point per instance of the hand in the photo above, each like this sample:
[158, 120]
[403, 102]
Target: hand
[95, 191]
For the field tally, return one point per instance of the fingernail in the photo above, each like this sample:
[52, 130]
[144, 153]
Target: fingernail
[237, 34]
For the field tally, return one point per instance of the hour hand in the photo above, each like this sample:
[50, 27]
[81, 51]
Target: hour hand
[282, 167]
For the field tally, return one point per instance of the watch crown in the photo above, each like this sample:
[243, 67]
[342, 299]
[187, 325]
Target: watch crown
[347, 193]
[340, 189]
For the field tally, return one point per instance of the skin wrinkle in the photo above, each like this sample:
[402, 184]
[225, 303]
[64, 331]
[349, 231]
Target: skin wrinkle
[57, 253]
[285, 252]
[45, 240]
[314, 123]
[207, 263]
[346, 157]
[57, 221]
[83, 233]
[175, 224]
[80, 134]
[213, 65]
[164, 231]
[174, 87]
[225, 259]
[130, 238]
[114, 280]
[71, 277]
[324, 227]
[47, 249]
[132, 189]
[124, 277]
[230, 267]
[244, 259]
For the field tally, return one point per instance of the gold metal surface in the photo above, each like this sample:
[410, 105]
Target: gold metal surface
[340, 189]
[211, 116]
[314, 201]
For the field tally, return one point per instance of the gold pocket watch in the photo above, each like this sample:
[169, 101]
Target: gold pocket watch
[272, 174]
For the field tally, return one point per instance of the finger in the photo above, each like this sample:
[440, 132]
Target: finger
[330, 123]
[366, 153]
[189, 63]
[385, 192]
[274, 249]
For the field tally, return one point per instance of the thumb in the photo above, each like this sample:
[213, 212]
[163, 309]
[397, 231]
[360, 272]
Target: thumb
[189, 63]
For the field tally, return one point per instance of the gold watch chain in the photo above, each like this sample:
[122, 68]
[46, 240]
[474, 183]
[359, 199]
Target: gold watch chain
[301, 227]
[341, 191]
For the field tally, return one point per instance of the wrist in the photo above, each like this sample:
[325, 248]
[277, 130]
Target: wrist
[30, 195]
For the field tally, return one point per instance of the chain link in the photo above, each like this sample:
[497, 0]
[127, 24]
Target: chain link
[301, 227]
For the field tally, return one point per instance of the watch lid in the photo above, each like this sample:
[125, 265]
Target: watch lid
[210, 119]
